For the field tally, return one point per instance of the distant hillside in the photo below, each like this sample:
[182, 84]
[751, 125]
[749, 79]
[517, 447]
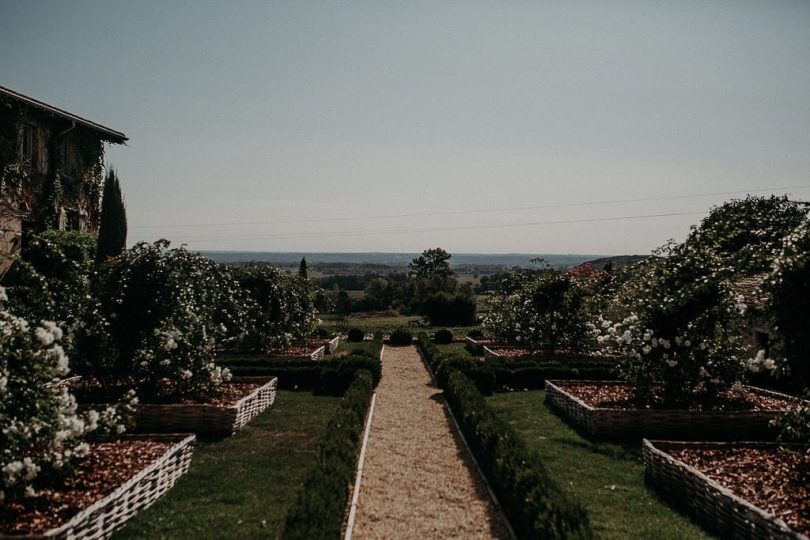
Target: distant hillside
[619, 261]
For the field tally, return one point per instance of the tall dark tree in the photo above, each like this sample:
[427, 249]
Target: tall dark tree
[302, 268]
[112, 230]
[432, 263]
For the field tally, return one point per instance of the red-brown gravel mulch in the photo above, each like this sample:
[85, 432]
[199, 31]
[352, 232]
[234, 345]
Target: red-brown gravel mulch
[108, 465]
[620, 396]
[535, 354]
[777, 480]
[93, 392]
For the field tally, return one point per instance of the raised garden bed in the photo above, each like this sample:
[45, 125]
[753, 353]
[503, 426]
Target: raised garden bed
[476, 345]
[586, 405]
[508, 353]
[738, 490]
[297, 352]
[329, 345]
[218, 419]
[117, 480]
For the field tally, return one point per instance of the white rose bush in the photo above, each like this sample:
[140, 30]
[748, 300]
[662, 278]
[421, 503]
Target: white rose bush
[677, 322]
[42, 434]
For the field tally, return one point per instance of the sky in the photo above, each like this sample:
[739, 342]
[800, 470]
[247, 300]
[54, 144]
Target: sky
[480, 127]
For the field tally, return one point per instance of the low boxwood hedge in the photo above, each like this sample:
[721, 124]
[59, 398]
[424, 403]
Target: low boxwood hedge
[330, 377]
[400, 337]
[355, 335]
[319, 508]
[442, 365]
[443, 337]
[532, 501]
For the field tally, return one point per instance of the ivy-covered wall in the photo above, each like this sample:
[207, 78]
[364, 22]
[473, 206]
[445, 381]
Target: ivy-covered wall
[62, 189]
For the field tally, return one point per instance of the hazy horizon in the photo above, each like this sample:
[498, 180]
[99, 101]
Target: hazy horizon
[390, 127]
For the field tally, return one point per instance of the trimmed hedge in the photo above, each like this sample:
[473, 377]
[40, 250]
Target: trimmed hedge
[533, 502]
[319, 508]
[400, 337]
[443, 337]
[355, 335]
[442, 365]
[330, 377]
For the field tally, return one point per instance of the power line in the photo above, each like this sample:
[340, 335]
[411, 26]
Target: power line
[476, 211]
[436, 229]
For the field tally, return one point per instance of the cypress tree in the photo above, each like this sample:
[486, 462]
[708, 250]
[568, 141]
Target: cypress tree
[302, 268]
[112, 231]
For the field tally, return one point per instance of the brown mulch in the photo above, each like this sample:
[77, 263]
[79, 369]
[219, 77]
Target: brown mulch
[777, 480]
[522, 352]
[227, 394]
[620, 396]
[108, 465]
[418, 480]
[292, 351]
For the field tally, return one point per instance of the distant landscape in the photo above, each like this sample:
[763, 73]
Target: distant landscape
[462, 263]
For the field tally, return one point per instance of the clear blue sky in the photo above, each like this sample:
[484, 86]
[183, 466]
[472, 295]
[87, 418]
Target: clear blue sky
[251, 112]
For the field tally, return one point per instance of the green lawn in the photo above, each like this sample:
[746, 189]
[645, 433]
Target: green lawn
[371, 347]
[455, 349]
[241, 487]
[386, 324]
[607, 478]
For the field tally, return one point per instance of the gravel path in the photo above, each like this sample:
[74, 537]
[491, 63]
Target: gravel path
[418, 480]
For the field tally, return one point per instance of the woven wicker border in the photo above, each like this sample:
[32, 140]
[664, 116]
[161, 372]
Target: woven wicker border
[208, 420]
[722, 511]
[662, 423]
[108, 514]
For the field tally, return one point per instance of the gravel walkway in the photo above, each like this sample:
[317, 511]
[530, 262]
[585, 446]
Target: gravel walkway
[418, 479]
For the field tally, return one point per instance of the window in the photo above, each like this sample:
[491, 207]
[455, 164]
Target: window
[30, 147]
[69, 157]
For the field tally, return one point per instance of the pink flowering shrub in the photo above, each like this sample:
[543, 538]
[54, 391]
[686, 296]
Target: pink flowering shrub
[42, 434]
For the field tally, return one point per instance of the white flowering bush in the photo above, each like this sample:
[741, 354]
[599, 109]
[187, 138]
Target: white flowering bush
[788, 293]
[281, 309]
[547, 310]
[680, 319]
[42, 434]
[162, 312]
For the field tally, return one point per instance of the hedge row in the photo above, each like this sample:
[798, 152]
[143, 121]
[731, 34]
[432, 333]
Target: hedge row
[532, 501]
[330, 377]
[442, 365]
[319, 508]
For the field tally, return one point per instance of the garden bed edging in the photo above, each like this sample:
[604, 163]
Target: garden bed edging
[718, 508]
[661, 423]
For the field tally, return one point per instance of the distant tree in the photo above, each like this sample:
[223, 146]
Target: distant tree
[608, 267]
[302, 268]
[112, 232]
[343, 304]
[432, 263]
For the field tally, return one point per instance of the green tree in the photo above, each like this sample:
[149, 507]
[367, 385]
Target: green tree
[302, 268]
[432, 263]
[112, 232]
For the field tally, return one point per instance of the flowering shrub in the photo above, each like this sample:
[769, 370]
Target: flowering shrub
[282, 309]
[794, 426]
[162, 311]
[41, 433]
[548, 310]
[788, 291]
[680, 317]
[52, 281]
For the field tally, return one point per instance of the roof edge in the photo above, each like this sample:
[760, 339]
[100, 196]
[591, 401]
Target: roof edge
[110, 134]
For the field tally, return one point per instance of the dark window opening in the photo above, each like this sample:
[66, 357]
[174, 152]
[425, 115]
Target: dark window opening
[69, 157]
[30, 147]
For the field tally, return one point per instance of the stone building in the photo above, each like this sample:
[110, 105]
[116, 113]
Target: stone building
[51, 170]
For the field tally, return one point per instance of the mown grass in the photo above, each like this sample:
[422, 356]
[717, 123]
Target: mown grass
[242, 487]
[454, 349]
[607, 478]
[371, 347]
[387, 324]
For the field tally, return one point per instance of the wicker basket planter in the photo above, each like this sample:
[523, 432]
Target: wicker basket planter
[718, 508]
[662, 423]
[476, 345]
[108, 514]
[205, 419]
[329, 345]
